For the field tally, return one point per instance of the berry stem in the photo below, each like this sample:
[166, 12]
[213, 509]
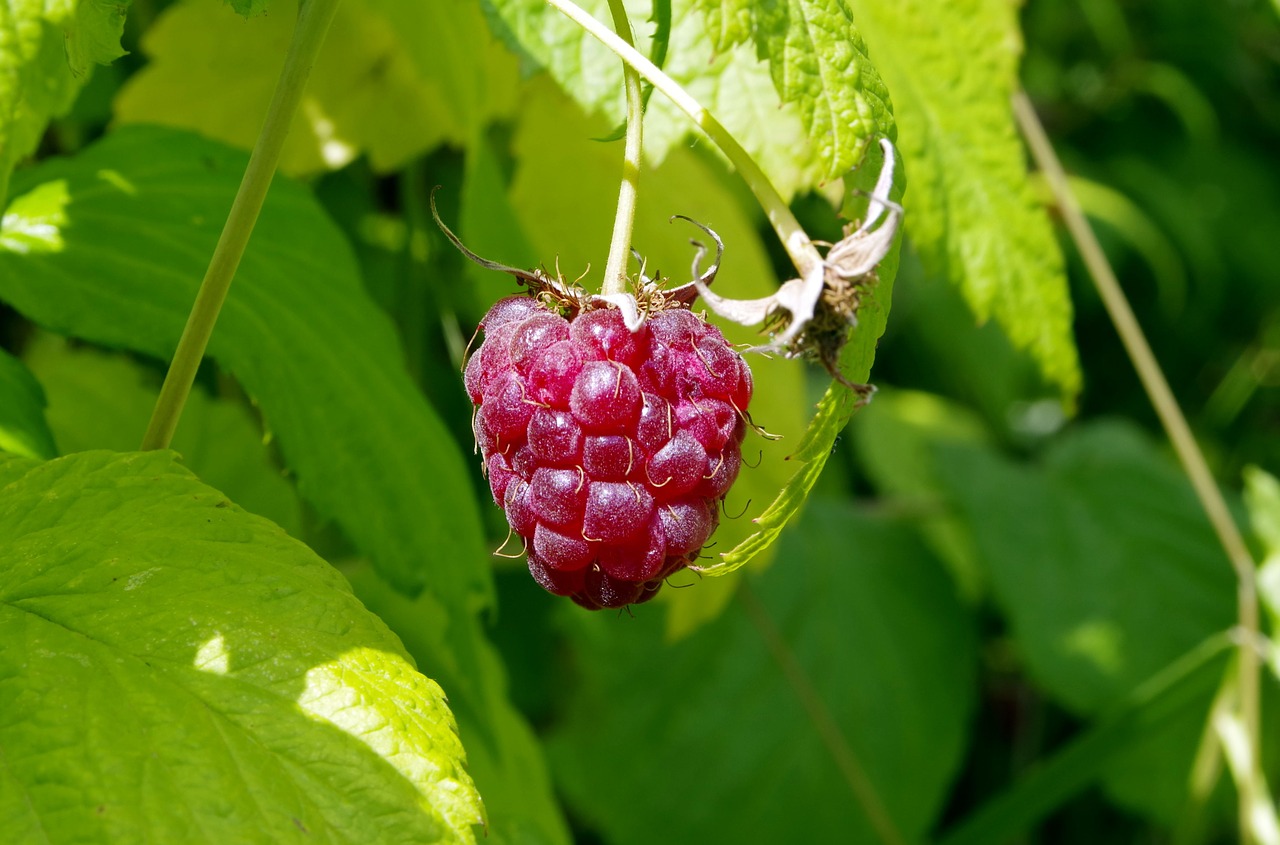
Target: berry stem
[615, 270]
[314, 17]
[794, 239]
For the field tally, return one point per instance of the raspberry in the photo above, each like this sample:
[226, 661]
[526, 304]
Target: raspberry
[609, 450]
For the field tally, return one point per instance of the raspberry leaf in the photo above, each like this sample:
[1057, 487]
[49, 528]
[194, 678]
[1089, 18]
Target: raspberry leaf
[1128, 576]
[142, 209]
[504, 757]
[797, 149]
[974, 214]
[819, 60]
[23, 430]
[402, 79]
[46, 53]
[237, 684]
[901, 628]
[100, 400]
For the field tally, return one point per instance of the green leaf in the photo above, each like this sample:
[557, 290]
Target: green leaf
[101, 401]
[173, 669]
[569, 221]
[23, 430]
[394, 79]
[874, 626]
[728, 21]
[1107, 569]
[730, 81]
[973, 214]
[819, 61]
[144, 209]
[503, 756]
[895, 436]
[46, 52]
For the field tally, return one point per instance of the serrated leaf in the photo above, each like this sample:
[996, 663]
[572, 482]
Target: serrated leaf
[873, 624]
[973, 214]
[1108, 570]
[97, 400]
[393, 80]
[249, 8]
[94, 34]
[819, 60]
[46, 52]
[173, 669]
[569, 222]
[728, 21]
[144, 209]
[503, 755]
[23, 430]
[730, 81]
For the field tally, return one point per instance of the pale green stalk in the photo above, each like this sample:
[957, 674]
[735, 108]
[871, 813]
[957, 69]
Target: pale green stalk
[615, 270]
[314, 17]
[794, 239]
[1179, 433]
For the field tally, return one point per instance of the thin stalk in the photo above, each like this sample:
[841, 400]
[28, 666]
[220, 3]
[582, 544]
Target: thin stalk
[615, 270]
[1175, 426]
[864, 792]
[797, 244]
[314, 17]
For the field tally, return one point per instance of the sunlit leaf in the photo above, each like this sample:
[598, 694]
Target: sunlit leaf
[173, 669]
[299, 332]
[47, 50]
[972, 213]
[503, 755]
[394, 79]
[832, 103]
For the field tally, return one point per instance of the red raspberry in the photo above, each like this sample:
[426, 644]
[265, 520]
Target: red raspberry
[609, 450]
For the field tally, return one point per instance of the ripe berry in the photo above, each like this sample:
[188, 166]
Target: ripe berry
[609, 450]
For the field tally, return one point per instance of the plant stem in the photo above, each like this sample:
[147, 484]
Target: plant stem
[314, 17]
[794, 239]
[615, 270]
[1179, 433]
[860, 785]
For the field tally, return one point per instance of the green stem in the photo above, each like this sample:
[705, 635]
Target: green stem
[615, 270]
[1179, 433]
[314, 17]
[794, 239]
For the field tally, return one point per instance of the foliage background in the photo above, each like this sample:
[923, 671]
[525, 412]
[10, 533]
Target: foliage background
[979, 577]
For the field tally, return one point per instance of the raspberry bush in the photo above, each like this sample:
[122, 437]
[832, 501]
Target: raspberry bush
[609, 450]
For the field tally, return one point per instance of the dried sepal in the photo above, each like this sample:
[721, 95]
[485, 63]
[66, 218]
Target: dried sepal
[813, 314]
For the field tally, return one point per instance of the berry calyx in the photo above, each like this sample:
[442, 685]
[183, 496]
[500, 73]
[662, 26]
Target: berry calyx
[609, 449]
